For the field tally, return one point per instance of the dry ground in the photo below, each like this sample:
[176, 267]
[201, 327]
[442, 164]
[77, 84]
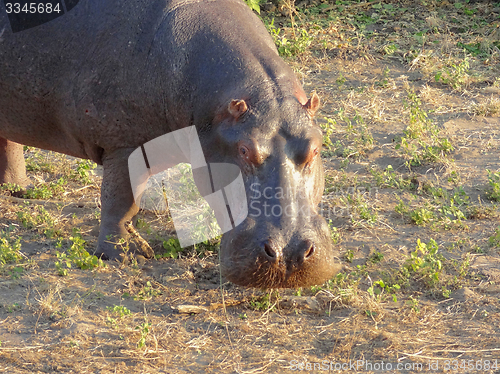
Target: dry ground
[411, 108]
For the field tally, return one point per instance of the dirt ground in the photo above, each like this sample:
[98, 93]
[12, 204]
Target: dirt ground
[410, 111]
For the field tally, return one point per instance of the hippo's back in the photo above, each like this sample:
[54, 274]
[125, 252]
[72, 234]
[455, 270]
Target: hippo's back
[111, 74]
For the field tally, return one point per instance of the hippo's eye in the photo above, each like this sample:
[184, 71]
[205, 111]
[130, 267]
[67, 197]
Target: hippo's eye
[243, 150]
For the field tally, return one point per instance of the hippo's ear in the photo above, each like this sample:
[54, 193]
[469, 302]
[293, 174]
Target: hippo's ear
[237, 108]
[312, 104]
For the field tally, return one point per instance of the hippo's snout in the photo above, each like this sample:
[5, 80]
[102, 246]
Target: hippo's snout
[291, 259]
[284, 259]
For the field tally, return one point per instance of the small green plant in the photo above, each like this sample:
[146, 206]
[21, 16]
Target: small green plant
[62, 264]
[425, 262]
[10, 249]
[334, 232]
[494, 182]
[147, 292]
[389, 49]
[76, 255]
[40, 219]
[11, 308]
[172, 247]
[47, 191]
[328, 129]
[494, 240]
[384, 81]
[11, 187]
[295, 46]
[263, 302]
[422, 142]
[144, 331]
[118, 311]
[413, 303]
[360, 206]
[254, 5]
[378, 287]
[422, 216]
[83, 170]
[376, 257]
[455, 75]
[402, 208]
[340, 80]
[349, 255]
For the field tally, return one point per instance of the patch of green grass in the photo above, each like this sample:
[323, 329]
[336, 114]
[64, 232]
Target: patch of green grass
[10, 187]
[143, 329]
[254, 5]
[494, 182]
[39, 219]
[76, 255]
[360, 208]
[297, 43]
[494, 239]
[425, 263]
[377, 289]
[422, 143]
[422, 216]
[84, 168]
[10, 249]
[47, 190]
[264, 302]
[345, 285]
[455, 75]
[328, 129]
[117, 312]
[442, 208]
[147, 292]
[389, 178]
[334, 233]
[38, 161]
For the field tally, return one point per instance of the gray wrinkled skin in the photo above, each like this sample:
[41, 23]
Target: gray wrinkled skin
[109, 76]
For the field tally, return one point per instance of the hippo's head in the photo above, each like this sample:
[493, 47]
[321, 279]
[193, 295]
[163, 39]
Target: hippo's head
[284, 242]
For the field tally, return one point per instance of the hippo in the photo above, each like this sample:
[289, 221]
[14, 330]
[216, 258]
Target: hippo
[111, 75]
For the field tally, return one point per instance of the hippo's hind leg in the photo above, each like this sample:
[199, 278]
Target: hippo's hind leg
[12, 167]
[117, 206]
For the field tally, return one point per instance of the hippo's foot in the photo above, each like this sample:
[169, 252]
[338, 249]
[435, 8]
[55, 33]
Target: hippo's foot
[117, 236]
[123, 246]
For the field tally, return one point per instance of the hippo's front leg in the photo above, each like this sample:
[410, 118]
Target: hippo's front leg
[117, 203]
[12, 168]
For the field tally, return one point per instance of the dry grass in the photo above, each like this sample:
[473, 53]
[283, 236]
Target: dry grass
[126, 318]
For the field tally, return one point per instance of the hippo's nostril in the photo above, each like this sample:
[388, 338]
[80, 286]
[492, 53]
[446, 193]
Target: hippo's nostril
[269, 251]
[309, 252]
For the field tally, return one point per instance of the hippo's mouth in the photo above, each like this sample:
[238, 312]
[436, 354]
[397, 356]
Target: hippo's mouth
[271, 276]
[275, 263]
